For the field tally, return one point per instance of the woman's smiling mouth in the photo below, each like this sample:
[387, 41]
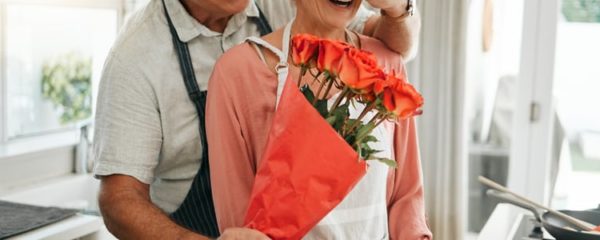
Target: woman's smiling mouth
[342, 3]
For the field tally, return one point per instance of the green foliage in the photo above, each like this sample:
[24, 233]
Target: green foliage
[359, 137]
[66, 82]
[581, 10]
[320, 105]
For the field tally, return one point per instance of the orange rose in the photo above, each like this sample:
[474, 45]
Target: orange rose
[401, 98]
[304, 49]
[359, 70]
[330, 54]
[379, 86]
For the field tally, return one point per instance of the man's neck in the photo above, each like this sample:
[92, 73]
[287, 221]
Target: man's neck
[206, 17]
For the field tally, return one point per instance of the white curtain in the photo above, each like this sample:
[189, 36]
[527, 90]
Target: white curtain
[439, 73]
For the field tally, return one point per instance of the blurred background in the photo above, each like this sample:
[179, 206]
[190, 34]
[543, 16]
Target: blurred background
[511, 89]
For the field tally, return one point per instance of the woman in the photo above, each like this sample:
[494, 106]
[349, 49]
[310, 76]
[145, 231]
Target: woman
[386, 203]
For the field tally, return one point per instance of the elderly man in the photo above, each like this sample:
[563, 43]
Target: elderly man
[150, 144]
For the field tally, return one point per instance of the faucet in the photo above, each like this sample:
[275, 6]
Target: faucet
[82, 149]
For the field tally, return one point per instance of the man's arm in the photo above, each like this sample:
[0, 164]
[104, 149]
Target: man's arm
[129, 214]
[399, 34]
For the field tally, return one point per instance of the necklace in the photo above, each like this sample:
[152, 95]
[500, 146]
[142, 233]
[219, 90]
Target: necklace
[349, 39]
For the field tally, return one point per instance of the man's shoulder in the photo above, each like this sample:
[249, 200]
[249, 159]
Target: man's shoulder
[144, 32]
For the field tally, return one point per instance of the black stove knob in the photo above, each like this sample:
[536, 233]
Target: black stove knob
[537, 233]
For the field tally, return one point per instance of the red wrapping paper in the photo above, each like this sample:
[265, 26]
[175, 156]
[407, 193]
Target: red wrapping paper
[307, 169]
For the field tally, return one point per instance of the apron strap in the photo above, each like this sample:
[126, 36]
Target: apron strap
[263, 24]
[282, 67]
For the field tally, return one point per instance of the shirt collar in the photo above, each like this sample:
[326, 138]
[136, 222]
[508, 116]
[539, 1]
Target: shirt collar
[188, 28]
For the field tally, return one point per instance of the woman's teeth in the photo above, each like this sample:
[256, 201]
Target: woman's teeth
[342, 3]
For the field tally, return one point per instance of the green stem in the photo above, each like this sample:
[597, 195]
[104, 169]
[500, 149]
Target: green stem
[303, 70]
[315, 75]
[380, 121]
[371, 129]
[374, 118]
[319, 91]
[361, 116]
[328, 88]
[339, 99]
[344, 133]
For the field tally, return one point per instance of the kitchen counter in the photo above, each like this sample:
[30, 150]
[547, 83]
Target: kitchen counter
[509, 222]
[79, 226]
[72, 191]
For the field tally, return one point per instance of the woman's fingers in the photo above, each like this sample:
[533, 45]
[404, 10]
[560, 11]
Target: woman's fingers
[242, 234]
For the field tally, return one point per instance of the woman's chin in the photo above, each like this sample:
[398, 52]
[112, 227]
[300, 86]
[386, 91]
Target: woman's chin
[338, 23]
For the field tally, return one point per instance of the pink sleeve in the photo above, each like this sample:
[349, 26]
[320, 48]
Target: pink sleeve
[406, 207]
[231, 168]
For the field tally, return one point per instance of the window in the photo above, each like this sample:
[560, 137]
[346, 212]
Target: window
[557, 157]
[52, 56]
[576, 84]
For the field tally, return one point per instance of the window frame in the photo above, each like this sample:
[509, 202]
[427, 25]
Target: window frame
[3, 107]
[530, 157]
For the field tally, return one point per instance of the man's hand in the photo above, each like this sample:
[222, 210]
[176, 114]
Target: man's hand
[400, 34]
[242, 234]
[393, 8]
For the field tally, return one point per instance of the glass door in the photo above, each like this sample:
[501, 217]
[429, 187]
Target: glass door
[542, 137]
[576, 93]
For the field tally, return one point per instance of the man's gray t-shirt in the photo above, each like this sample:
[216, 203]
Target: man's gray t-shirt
[146, 125]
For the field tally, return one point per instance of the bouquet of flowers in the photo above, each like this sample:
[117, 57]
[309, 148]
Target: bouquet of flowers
[317, 153]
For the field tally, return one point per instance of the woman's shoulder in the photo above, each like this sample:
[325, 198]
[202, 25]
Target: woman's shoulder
[385, 56]
[239, 55]
[239, 67]
[239, 61]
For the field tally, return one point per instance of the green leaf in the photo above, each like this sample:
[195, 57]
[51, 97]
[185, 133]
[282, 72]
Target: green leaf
[310, 96]
[321, 107]
[342, 111]
[389, 162]
[339, 114]
[331, 120]
[369, 154]
[350, 140]
[370, 138]
[364, 130]
[351, 123]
